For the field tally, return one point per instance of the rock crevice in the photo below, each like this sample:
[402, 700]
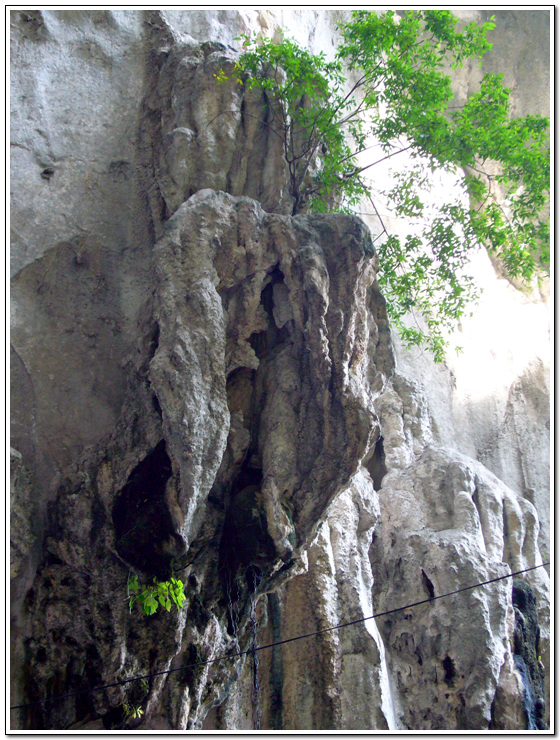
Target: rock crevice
[220, 401]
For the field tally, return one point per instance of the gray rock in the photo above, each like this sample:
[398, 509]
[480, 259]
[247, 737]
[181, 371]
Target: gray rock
[202, 382]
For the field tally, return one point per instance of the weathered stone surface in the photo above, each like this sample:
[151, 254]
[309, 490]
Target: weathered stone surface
[520, 453]
[214, 136]
[438, 522]
[337, 679]
[447, 524]
[307, 423]
[198, 379]
[21, 511]
[304, 421]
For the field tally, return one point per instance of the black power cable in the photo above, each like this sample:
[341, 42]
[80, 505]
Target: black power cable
[280, 642]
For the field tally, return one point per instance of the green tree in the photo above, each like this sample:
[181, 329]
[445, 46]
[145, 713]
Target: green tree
[388, 88]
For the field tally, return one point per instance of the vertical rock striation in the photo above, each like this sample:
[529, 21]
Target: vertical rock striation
[206, 386]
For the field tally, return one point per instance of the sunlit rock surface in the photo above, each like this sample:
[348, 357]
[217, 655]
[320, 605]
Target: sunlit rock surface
[197, 378]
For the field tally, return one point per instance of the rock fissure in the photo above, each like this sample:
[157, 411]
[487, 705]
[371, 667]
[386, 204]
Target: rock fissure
[207, 386]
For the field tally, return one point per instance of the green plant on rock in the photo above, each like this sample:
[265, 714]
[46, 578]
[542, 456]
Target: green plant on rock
[132, 712]
[158, 593]
[387, 89]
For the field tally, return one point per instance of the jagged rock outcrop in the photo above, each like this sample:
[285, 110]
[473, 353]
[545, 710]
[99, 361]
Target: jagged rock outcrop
[436, 523]
[204, 383]
[254, 382]
[214, 136]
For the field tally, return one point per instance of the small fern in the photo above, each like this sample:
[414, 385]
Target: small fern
[132, 712]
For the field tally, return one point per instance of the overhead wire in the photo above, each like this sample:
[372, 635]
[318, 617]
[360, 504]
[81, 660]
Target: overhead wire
[251, 651]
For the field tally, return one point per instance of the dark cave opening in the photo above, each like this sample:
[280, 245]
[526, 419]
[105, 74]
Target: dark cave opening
[246, 548]
[263, 342]
[428, 585]
[376, 465]
[144, 533]
[450, 672]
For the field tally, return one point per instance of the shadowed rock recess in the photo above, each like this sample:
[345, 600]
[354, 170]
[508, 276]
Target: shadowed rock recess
[205, 386]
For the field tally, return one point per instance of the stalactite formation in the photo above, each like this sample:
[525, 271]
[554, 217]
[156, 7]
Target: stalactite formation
[205, 386]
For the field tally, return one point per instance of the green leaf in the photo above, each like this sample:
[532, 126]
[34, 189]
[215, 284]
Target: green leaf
[163, 593]
[402, 91]
[151, 604]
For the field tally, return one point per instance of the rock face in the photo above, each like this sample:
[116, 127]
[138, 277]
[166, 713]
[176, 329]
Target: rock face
[207, 386]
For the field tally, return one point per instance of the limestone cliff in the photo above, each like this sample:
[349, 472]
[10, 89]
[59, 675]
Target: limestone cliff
[204, 383]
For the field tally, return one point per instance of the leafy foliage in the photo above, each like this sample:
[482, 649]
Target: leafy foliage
[399, 100]
[132, 712]
[305, 105]
[158, 593]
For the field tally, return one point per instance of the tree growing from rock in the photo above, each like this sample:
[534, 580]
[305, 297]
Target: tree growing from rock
[387, 92]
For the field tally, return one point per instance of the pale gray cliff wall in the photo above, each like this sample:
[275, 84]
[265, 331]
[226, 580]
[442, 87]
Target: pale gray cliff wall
[493, 401]
[182, 360]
